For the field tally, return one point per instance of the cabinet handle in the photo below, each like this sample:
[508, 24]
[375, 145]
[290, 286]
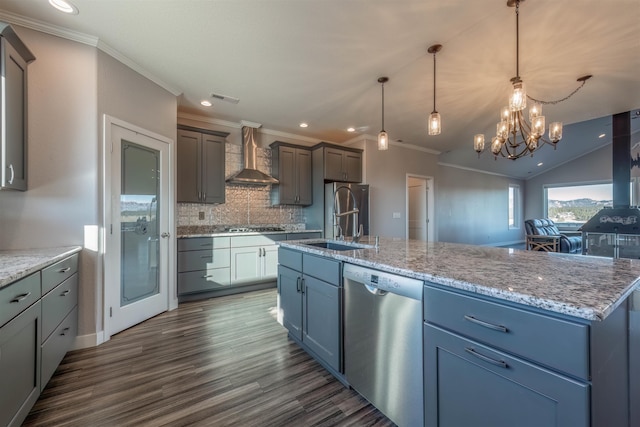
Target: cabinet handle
[302, 285]
[204, 195]
[486, 324]
[64, 331]
[298, 288]
[12, 174]
[207, 244]
[21, 297]
[65, 293]
[207, 257]
[64, 270]
[206, 276]
[500, 363]
[264, 252]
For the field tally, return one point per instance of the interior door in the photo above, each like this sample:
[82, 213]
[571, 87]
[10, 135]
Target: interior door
[417, 208]
[137, 237]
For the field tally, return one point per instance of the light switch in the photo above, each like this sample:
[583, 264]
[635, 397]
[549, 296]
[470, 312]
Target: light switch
[396, 215]
[200, 215]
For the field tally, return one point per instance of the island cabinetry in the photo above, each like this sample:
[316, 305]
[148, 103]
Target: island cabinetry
[291, 166]
[20, 332]
[204, 264]
[14, 57]
[59, 313]
[254, 259]
[201, 166]
[339, 163]
[310, 290]
[507, 364]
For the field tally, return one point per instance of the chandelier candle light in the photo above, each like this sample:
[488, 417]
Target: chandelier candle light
[435, 124]
[383, 138]
[515, 136]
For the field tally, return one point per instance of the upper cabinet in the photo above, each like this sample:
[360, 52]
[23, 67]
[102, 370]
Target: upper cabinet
[291, 166]
[14, 57]
[341, 164]
[201, 160]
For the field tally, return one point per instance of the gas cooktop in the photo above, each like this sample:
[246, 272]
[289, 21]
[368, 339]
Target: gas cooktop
[254, 229]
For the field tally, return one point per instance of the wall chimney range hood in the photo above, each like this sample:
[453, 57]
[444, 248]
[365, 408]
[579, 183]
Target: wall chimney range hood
[250, 175]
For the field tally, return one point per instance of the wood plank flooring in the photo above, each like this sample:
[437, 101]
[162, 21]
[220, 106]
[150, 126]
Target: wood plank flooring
[218, 362]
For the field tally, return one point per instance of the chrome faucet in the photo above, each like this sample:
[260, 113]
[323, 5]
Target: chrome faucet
[357, 227]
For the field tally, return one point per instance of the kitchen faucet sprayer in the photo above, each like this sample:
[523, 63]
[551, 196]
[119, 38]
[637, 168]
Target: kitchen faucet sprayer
[357, 227]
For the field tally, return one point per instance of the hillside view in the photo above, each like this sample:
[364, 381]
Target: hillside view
[578, 210]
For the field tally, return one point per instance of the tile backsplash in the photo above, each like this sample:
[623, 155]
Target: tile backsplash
[244, 204]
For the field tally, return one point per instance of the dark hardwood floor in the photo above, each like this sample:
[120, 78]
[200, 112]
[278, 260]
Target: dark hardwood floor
[217, 362]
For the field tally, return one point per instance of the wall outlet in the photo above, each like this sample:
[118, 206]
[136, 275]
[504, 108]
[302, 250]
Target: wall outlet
[396, 215]
[201, 215]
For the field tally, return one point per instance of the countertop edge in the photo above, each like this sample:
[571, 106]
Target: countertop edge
[244, 233]
[41, 258]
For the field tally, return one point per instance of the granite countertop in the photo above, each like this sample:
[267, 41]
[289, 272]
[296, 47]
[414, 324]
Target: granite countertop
[581, 286]
[221, 233]
[16, 264]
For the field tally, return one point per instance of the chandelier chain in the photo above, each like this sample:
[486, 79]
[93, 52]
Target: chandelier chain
[557, 101]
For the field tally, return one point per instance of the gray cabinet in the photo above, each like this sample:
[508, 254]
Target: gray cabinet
[201, 167]
[507, 364]
[204, 264]
[310, 301]
[14, 57]
[341, 164]
[291, 165]
[20, 353]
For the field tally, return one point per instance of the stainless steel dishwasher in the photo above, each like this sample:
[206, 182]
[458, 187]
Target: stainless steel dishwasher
[383, 341]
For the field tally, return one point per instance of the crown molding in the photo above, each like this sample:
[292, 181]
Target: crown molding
[450, 165]
[76, 36]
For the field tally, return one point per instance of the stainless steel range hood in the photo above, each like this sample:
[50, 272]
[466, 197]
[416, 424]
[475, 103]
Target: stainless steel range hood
[250, 175]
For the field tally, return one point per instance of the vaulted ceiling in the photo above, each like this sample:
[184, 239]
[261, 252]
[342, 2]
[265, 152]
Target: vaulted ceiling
[292, 61]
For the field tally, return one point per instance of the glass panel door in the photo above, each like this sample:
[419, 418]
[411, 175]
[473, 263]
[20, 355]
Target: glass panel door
[139, 207]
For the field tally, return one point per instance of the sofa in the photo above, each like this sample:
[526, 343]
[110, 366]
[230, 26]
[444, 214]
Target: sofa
[543, 235]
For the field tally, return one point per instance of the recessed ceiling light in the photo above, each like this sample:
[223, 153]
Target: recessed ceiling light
[205, 103]
[602, 135]
[540, 164]
[64, 6]
[351, 129]
[304, 125]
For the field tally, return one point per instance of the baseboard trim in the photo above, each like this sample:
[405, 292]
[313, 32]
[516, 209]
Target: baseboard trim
[87, 341]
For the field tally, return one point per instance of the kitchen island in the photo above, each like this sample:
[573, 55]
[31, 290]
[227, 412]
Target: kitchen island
[514, 336]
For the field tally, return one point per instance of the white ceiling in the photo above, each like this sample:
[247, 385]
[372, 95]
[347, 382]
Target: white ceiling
[318, 61]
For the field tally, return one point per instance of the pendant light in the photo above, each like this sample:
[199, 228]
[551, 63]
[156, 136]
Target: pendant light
[435, 124]
[383, 138]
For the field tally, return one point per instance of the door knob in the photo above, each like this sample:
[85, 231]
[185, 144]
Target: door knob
[165, 235]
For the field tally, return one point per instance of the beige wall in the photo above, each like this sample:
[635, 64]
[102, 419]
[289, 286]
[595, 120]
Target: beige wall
[70, 86]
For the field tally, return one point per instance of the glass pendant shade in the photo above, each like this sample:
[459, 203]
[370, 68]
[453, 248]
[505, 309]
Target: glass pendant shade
[505, 113]
[518, 98]
[478, 143]
[383, 140]
[435, 125]
[555, 131]
[535, 111]
[502, 129]
[496, 145]
[538, 126]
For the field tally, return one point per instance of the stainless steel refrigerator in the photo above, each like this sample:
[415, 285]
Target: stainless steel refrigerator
[345, 203]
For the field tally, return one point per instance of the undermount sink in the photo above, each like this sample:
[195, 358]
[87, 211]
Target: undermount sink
[336, 246]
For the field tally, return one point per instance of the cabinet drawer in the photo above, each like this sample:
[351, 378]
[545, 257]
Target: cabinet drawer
[57, 345]
[556, 343]
[18, 296]
[199, 281]
[203, 260]
[58, 303]
[55, 274]
[290, 258]
[196, 243]
[260, 240]
[321, 268]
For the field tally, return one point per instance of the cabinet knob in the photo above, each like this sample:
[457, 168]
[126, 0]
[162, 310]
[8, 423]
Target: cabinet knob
[165, 235]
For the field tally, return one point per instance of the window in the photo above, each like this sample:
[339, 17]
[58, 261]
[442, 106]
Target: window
[573, 205]
[514, 206]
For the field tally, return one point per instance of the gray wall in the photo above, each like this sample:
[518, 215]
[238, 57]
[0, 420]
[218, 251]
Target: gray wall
[70, 86]
[593, 167]
[472, 207]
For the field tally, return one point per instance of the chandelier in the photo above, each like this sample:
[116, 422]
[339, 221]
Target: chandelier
[515, 135]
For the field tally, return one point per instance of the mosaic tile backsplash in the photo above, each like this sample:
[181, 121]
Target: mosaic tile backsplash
[244, 204]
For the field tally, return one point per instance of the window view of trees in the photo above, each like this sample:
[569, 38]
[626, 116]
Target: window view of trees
[577, 204]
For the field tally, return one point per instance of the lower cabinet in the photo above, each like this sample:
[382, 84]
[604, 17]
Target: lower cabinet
[254, 259]
[38, 325]
[204, 264]
[468, 383]
[310, 301]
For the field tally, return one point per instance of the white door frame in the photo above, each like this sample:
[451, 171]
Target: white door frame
[109, 258]
[430, 205]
